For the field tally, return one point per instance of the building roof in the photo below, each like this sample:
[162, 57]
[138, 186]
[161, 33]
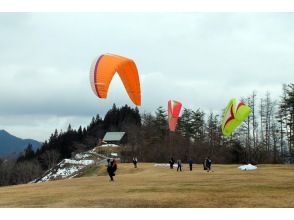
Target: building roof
[113, 136]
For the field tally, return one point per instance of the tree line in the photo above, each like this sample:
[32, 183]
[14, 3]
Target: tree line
[267, 136]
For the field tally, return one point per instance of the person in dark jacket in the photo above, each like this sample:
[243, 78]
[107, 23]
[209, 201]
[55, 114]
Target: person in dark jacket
[208, 164]
[110, 169]
[171, 162]
[179, 162]
[190, 164]
[135, 161]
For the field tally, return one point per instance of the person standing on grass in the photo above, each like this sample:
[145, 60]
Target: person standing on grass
[208, 164]
[190, 163]
[135, 161]
[179, 162]
[171, 162]
[110, 169]
[204, 164]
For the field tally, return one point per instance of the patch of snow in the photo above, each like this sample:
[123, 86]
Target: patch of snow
[66, 171]
[69, 168]
[62, 173]
[247, 167]
[66, 168]
[79, 162]
[109, 145]
[82, 156]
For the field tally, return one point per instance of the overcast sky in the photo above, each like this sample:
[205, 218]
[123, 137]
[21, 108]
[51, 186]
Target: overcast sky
[201, 59]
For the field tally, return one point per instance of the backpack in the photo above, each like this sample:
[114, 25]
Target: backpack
[114, 167]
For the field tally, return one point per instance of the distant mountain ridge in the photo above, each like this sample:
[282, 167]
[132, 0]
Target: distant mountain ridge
[10, 144]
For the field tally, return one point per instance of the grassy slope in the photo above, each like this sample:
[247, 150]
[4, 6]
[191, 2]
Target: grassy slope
[149, 186]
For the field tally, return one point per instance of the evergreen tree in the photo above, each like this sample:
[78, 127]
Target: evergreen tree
[185, 124]
[198, 125]
[213, 132]
[160, 123]
[80, 133]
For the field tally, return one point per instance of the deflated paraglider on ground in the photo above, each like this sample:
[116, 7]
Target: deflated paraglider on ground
[247, 167]
[234, 115]
[103, 69]
[174, 108]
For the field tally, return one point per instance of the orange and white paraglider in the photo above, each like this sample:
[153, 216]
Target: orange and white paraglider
[103, 69]
[174, 108]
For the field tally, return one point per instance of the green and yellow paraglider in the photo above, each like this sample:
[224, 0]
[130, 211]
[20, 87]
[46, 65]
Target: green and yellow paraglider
[234, 115]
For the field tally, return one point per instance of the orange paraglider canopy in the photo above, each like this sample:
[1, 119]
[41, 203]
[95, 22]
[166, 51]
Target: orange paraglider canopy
[103, 69]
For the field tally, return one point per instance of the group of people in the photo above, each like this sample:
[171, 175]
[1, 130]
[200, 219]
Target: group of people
[206, 164]
[112, 165]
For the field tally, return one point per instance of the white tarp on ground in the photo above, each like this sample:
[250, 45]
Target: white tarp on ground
[247, 167]
[165, 165]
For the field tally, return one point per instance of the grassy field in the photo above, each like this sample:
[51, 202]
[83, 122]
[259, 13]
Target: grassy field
[149, 186]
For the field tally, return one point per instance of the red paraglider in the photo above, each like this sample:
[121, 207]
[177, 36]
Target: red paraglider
[174, 108]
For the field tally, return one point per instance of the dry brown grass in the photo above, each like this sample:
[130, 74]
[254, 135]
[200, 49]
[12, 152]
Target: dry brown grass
[149, 186]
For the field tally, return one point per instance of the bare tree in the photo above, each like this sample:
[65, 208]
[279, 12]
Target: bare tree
[245, 130]
[261, 115]
[254, 124]
[281, 119]
[268, 116]
[287, 104]
[50, 158]
[274, 133]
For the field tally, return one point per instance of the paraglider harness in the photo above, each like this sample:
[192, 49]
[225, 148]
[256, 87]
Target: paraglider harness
[114, 168]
